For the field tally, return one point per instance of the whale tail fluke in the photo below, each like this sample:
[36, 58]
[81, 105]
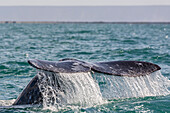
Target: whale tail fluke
[118, 68]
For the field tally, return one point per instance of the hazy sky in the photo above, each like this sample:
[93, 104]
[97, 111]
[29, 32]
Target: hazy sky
[85, 10]
[82, 2]
[86, 13]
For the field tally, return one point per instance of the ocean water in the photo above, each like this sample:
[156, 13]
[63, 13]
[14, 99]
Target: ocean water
[92, 43]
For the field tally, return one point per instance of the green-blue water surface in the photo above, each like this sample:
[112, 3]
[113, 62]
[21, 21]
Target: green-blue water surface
[89, 42]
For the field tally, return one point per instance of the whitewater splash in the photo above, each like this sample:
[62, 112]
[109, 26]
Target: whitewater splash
[154, 84]
[6, 102]
[59, 89]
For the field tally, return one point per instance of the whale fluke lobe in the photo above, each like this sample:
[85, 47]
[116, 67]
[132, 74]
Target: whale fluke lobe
[118, 68]
[126, 68]
[66, 66]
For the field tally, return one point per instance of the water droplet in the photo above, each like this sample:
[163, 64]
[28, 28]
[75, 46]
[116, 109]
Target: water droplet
[27, 55]
[166, 36]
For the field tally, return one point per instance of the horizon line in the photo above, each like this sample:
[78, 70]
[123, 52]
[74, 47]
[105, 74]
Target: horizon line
[77, 5]
[97, 22]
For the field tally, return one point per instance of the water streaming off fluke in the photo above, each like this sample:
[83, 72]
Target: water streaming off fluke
[86, 89]
[154, 84]
[60, 89]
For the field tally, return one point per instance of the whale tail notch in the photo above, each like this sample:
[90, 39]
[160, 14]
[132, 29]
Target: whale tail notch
[118, 68]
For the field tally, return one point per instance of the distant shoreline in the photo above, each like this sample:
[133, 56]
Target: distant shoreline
[60, 22]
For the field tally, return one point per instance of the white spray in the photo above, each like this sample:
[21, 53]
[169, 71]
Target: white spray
[60, 89]
[81, 89]
[154, 84]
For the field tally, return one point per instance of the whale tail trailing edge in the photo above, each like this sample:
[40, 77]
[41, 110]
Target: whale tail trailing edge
[118, 68]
